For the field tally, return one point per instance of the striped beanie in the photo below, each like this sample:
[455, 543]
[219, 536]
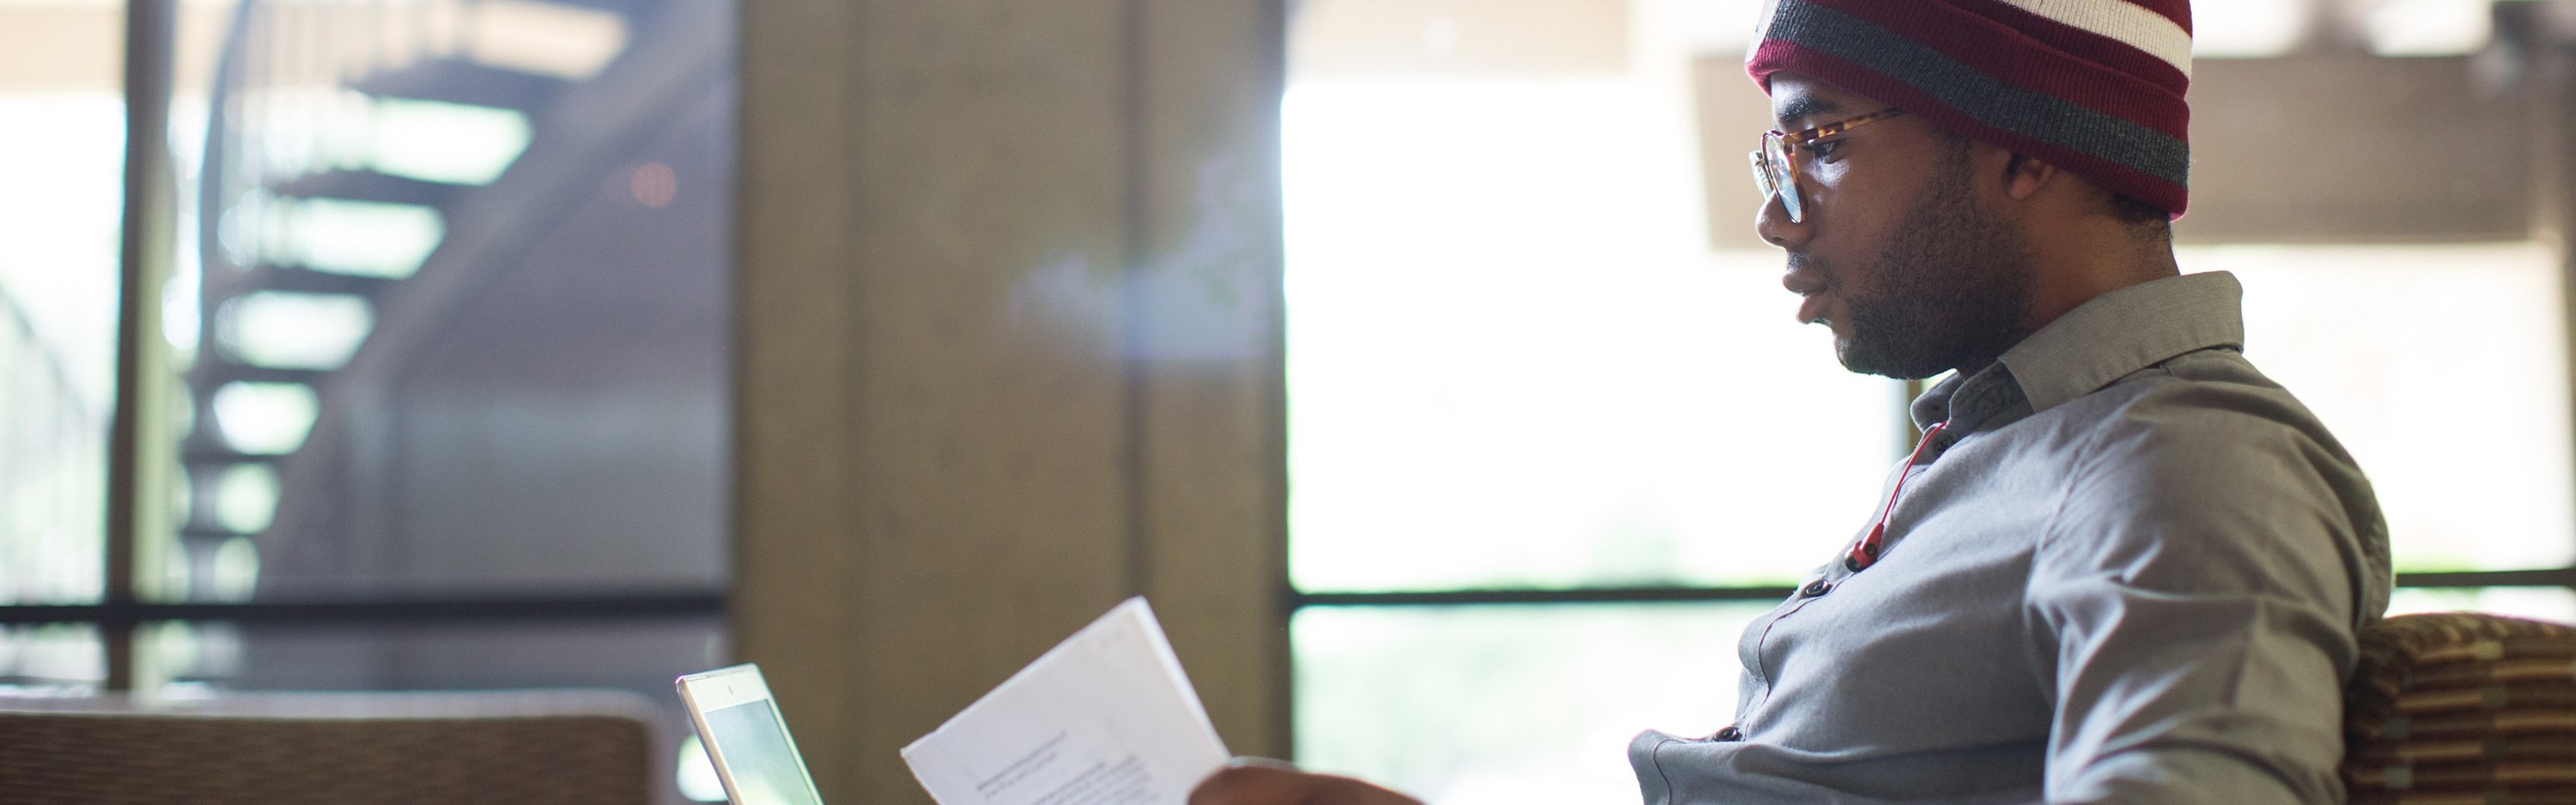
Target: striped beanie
[2092, 86]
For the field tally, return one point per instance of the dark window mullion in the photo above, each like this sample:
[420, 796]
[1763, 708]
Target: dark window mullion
[1577, 595]
[124, 615]
[2559, 577]
[137, 485]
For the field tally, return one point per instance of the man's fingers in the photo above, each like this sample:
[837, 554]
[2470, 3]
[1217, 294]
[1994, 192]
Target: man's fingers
[1253, 781]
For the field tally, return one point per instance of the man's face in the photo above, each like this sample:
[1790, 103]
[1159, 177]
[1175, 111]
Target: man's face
[1898, 253]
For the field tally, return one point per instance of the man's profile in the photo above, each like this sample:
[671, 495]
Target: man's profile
[2122, 565]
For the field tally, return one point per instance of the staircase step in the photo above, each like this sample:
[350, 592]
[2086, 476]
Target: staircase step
[459, 80]
[212, 456]
[207, 536]
[630, 9]
[297, 279]
[215, 369]
[366, 185]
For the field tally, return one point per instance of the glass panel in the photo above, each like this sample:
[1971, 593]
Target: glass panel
[1508, 704]
[2444, 370]
[440, 338]
[1513, 358]
[51, 660]
[61, 66]
[189, 660]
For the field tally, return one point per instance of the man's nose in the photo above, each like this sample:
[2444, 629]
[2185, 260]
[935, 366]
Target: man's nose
[1771, 222]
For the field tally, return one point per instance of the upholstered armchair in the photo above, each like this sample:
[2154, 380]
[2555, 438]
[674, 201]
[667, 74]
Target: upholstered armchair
[2462, 708]
[571, 748]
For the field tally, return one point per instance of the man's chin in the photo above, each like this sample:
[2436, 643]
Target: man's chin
[1861, 360]
[1857, 364]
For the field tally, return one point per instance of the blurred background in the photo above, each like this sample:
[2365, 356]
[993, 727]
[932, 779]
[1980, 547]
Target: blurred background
[1415, 356]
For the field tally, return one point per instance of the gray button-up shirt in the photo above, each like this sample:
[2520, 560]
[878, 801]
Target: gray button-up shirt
[2128, 570]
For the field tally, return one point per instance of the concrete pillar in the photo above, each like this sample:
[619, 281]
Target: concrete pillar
[1009, 352]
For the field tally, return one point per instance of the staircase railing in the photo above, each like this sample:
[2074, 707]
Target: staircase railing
[295, 77]
[289, 118]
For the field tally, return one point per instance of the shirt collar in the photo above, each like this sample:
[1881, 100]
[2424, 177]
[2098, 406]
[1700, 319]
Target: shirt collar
[2100, 341]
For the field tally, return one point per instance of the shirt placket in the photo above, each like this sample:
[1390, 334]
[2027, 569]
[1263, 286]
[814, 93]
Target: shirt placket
[1968, 405]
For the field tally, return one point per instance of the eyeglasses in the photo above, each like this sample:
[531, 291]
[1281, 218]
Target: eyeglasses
[1775, 166]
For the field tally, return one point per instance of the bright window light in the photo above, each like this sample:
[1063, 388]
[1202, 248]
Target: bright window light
[234, 572]
[2554, 604]
[295, 330]
[60, 221]
[265, 418]
[1513, 362]
[2248, 29]
[445, 142]
[246, 497]
[2430, 27]
[697, 774]
[353, 237]
[55, 659]
[1407, 697]
[2389, 345]
[557, 39]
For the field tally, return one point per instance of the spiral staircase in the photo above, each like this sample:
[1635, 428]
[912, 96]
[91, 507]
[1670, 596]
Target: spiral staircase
[372, 172]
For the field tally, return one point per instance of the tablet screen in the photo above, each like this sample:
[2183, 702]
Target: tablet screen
[753, 744]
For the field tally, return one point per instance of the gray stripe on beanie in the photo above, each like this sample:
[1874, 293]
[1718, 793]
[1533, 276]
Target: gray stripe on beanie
[2037, 115]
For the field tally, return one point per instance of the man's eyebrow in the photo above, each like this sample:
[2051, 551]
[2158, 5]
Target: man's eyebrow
[1805, 106]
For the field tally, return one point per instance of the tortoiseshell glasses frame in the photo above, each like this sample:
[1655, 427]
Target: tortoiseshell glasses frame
[1775, 164]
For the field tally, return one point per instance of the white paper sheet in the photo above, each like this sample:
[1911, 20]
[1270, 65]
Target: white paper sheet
[1104, 718]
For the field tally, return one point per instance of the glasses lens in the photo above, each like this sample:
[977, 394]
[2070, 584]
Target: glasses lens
[1784, 180]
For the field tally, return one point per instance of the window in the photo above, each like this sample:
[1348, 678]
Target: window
[2441, 368]
[1555, 437]
[1519, 372]
[58, 298]
[443, 330]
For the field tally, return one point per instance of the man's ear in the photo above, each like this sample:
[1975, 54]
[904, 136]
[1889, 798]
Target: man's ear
[2025, 175]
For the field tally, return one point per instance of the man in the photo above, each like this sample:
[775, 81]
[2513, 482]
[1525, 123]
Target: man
[2122, 566]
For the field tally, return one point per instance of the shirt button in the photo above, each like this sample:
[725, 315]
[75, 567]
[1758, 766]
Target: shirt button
[1815, 588]
[1729, 733]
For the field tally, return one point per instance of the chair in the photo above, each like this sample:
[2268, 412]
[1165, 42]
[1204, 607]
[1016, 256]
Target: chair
[2462, 708]
[566, 748]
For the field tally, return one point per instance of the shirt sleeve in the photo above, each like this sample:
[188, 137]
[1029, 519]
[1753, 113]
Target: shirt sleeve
[2192, 604]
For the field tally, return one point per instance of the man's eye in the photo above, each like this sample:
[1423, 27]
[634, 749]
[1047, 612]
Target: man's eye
[1824, 151]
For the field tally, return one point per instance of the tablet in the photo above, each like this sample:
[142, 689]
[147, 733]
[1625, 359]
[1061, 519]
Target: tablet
[746, 739]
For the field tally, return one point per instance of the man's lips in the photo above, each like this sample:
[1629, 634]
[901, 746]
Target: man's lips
[1810, 286]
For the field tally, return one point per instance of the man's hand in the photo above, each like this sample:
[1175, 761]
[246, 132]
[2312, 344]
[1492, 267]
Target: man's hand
[1259, 781]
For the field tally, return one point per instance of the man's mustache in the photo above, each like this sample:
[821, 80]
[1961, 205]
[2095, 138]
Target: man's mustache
[1802, 263]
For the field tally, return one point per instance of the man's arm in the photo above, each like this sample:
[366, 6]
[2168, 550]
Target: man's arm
[2194, 604]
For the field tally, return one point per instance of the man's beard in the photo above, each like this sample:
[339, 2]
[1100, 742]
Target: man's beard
[1954, 288]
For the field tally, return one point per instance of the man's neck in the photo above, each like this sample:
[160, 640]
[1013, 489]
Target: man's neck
[2067, 282]
[2091, 267]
